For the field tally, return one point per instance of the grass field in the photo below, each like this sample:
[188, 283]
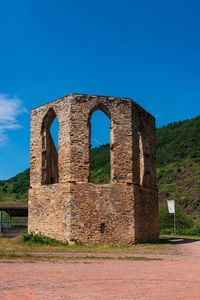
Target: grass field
[15, 248]
[17, 245]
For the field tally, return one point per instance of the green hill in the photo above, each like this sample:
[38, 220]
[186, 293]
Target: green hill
[100, 164]
[178, 167]
[178, 141]
[178, 164]
[15, 188]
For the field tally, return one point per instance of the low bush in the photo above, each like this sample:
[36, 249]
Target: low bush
[40, 239]
[184, 223]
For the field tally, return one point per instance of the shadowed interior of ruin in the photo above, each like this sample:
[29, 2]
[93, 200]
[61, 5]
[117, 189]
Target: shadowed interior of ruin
[50, 172]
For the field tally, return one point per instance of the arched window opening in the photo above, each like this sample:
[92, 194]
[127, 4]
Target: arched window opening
[99, 147]
[50, 130]
[54, 129]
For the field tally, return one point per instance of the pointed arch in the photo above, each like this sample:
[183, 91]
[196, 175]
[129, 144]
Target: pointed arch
[104, 178]
[99, 106]
[50, 172]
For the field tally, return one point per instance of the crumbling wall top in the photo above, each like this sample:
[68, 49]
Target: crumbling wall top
[71, 96]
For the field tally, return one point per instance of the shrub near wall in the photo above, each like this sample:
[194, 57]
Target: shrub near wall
[184, 224]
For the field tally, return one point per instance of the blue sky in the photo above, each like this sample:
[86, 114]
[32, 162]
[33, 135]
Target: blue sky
[145, 50]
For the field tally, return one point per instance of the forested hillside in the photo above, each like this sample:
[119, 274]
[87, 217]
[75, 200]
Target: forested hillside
[178, 164]
[178, 141]
[100, 164]
[15, 188]
[178, 167]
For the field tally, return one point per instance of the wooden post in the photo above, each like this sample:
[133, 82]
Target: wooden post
[9, 224]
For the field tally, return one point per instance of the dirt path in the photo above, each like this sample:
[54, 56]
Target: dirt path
[174, 277]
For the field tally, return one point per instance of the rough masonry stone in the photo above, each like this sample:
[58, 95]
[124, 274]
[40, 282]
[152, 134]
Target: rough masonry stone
[63, 204]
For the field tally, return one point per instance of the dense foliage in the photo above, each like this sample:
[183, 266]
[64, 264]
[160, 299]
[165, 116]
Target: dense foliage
[32, 237]
[166, 220]
[15, 188]
[178, 141]
[178, 159]
[185, 225]
[100, 164]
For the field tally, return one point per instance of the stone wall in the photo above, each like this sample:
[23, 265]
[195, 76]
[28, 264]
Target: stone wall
[63, 203]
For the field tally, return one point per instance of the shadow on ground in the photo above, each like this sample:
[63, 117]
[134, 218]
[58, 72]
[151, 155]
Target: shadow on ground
[177, 240]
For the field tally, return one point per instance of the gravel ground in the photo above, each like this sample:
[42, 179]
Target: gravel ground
[174, 277]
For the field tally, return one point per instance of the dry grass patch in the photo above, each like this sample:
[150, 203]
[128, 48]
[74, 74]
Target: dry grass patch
[9, 246]
[35, 257]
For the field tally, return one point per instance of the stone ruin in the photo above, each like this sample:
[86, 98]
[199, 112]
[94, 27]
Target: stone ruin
[63, 203]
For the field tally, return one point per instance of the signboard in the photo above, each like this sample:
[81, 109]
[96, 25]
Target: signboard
[171, 206]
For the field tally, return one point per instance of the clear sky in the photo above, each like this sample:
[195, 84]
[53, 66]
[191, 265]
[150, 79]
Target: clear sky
[146, 50]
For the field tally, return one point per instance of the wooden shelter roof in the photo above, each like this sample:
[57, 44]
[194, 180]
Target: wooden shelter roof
[15, 209]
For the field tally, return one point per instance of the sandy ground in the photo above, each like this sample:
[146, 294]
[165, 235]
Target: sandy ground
[174, 277]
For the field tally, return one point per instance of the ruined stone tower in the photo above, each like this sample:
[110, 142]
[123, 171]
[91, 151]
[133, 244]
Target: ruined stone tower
[63, 204]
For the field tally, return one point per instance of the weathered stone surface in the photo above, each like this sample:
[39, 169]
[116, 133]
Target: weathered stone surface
[63, 203]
